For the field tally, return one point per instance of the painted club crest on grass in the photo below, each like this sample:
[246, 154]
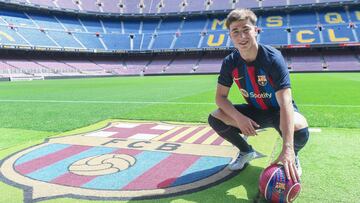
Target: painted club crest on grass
[123, 160]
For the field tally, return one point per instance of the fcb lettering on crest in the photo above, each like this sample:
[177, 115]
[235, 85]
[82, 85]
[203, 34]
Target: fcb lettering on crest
[120, 161]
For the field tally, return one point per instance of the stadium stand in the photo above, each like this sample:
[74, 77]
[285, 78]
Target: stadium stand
[277, 29]
[323, 31]
[167, 6]
[209, 63]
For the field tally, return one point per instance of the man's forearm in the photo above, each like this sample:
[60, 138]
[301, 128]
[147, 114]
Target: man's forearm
[287, 126]
[225, 105]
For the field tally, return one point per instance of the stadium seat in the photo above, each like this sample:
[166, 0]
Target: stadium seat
[89, 40]
[91, 25]
[163, 41]
[37, 38]
[117, 41]
[188, 40]
[338, 34]
[9, 36]
[274, 36]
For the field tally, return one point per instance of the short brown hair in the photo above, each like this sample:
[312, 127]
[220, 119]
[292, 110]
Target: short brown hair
[240, 14]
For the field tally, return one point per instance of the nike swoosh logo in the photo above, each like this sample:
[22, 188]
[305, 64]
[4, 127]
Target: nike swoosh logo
[238, 78]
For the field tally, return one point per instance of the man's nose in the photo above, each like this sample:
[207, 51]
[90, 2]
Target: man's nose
[242, 35]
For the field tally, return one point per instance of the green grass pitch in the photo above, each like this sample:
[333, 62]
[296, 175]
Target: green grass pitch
[32, 111]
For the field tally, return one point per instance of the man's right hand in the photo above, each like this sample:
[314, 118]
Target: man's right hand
[246, 125]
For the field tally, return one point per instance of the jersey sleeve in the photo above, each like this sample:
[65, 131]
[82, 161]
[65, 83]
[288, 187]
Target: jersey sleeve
[280, 73]
[225, 77]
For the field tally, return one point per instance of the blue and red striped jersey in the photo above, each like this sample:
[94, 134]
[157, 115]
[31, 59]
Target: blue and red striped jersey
[259, 80]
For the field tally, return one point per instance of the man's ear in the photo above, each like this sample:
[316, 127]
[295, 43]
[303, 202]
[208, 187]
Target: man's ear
[230, 35]
[257, 30]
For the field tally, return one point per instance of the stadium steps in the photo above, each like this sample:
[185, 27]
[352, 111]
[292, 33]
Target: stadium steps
[45, 67]
[198, 62]
[169, 64]
[71, 66]
[357, 56]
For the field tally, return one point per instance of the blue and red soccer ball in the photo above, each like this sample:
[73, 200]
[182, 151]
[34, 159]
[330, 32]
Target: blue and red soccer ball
[275, 187]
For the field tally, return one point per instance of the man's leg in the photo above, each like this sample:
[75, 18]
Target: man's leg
[227, 129]
[301, 132]
[229, 133]
[301, 135]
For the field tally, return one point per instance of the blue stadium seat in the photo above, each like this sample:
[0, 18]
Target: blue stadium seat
[117, 41]
[45, 21]
[337, 34]
[16, 18]
[112, 26]
[355, 15]
[36, 37]
[137, 39]
[9, 37]
[188, 40]
[89, 40]
[196, 24]
[357, 32]
[303, 18]
[71, 23]
[149, 26]
[274, 36]
[305, 35]
[273, 20]
[64, 39]
[333, 16]
[169, 25]
[217, 24]
[131, 26]
[163, 41]
[215, 39]
[145, 41]
[92, 25]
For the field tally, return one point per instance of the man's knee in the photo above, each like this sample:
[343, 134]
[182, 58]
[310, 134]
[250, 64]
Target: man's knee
[217, 124]
[301, 137]
[299, 121]
[221, 115]
[218, 113]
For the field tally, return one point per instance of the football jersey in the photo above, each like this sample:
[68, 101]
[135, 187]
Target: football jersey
[258, 80]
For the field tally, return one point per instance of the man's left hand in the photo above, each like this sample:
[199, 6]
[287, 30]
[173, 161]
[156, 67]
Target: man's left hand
[287, 158]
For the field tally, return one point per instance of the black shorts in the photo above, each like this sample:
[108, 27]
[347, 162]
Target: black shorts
[265, 118]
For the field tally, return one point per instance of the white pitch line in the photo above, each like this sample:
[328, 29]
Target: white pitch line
[102, 102]
[151, 102]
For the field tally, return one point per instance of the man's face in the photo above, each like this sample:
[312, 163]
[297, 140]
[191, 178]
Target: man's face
[243, 34]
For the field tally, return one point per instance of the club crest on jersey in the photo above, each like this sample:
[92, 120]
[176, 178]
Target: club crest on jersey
[262, 80]
[121, 161]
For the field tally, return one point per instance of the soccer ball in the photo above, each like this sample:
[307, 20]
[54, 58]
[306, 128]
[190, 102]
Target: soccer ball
[275, 187]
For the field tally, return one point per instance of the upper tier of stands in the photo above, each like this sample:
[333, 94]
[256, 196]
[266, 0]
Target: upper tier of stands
[31, 29]
[164, 6]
